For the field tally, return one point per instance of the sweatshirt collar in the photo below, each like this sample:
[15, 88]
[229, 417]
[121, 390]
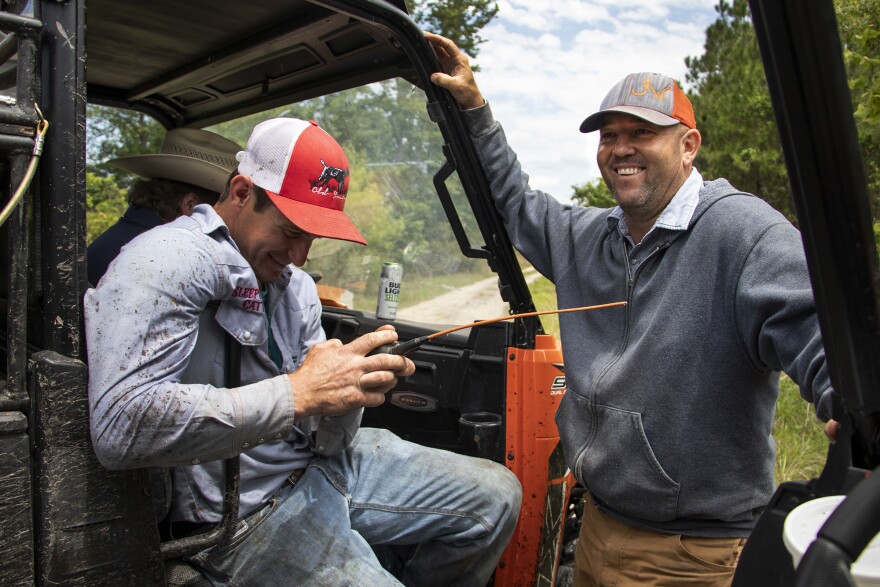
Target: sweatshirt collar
[678, 213]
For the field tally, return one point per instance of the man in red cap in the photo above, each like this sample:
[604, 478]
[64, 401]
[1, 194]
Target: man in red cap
[670, 400]
[317, 493]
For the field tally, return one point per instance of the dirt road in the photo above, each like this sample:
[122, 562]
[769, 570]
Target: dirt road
[477, 301]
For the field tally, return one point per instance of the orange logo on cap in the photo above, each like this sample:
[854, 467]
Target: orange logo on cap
[646, 85]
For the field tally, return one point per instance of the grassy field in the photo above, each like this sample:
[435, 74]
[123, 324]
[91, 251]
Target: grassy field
[800, 442]
[801, 445]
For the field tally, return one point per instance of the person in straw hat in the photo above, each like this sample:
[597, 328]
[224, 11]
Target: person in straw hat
[191, 168]
[318, 493]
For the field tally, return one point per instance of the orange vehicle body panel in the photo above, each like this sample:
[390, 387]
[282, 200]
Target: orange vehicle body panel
[535, 386]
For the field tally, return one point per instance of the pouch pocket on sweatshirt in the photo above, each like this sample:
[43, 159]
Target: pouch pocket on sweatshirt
[611, 455]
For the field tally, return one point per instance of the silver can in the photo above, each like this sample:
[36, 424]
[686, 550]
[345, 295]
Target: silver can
[389, 290]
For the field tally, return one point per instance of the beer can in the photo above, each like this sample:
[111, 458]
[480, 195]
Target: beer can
[389, 290]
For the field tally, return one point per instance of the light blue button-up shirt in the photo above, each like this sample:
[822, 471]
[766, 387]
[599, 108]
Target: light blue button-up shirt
[156, 329]
[677, 214]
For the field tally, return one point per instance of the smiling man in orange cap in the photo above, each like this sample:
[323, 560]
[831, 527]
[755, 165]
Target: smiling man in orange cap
[670, 400]
[317, 492]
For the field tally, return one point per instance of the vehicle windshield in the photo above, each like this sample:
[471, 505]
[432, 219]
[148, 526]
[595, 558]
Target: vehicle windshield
[394, 151]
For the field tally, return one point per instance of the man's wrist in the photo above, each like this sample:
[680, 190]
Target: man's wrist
[479, 120]
[478, 102]
[300, 406]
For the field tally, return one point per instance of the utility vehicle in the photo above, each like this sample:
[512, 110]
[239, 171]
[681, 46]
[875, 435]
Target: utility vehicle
[359, 69]
[209, 63]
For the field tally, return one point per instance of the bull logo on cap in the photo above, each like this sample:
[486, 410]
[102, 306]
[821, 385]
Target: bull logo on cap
[331, 173]
[646, 85]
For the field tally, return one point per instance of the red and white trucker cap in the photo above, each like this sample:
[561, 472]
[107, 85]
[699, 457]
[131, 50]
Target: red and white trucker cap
[305, 173]
[649, 96]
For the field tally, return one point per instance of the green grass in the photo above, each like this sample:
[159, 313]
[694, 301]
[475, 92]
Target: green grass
[801, 445]
[544, 297]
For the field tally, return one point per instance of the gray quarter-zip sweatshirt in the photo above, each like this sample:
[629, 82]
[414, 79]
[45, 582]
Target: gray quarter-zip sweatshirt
[670, 399]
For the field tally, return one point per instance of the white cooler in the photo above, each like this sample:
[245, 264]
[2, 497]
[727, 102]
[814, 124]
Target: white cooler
[804, 522]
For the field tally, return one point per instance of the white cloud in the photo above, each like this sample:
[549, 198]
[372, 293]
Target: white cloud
[547, 64]
[544, 14]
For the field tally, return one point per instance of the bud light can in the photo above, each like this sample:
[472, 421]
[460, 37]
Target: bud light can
[389, 290]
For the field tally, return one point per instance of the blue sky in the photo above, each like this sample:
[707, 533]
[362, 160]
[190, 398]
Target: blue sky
[547, 64]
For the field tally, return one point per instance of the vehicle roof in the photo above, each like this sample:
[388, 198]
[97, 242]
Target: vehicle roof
[189, 64]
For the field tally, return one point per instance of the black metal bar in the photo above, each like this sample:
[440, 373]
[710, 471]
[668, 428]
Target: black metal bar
[24, 33]
[808, 86]
[193, 544]
[16, 115]
[11, 143]
[9, 405]
[13, 23]
[16, 311]
[464, 243]
[62, 177]
[23, 39]
[228, 522]
[443, 108]
[8, 47]
[18, 141]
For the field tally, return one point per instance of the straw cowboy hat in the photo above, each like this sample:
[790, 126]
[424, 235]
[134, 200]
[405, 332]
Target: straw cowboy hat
[189, 155]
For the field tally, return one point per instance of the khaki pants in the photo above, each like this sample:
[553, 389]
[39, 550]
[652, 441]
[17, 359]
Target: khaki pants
[610, 553]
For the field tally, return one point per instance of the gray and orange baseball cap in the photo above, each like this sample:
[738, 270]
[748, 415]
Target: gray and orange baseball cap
[649, 96]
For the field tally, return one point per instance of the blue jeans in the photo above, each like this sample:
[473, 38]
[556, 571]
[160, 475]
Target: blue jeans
[454, 514]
